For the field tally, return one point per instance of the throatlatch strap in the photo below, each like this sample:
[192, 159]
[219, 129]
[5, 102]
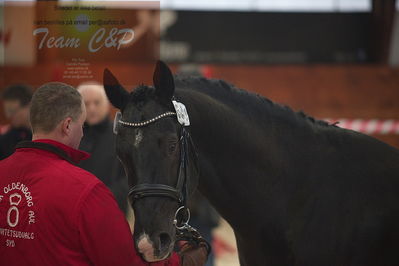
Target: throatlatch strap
[181, 186]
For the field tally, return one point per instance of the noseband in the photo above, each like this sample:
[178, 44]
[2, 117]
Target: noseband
[178, 193]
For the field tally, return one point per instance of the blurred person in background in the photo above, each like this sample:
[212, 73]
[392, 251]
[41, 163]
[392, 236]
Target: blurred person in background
[99, 141]
[16, 100]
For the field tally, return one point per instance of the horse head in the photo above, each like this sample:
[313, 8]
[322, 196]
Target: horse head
[158, 157]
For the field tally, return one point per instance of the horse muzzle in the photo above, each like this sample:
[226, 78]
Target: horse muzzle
[156, 248]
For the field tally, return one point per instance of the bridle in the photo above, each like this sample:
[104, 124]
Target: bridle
[178, 193]
[184, 231]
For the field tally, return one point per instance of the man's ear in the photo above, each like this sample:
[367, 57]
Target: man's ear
[66, 126]
[116, 94]
[163, 81]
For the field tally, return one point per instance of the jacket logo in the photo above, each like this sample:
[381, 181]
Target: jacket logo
[13, 212]
[15, 199]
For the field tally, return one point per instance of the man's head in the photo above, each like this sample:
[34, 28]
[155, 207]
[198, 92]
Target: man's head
[57, 112]
[96, 102]
[16, 99]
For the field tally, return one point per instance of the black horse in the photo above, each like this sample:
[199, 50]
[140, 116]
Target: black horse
[296, 191]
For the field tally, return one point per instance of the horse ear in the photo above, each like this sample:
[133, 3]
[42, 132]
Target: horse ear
[116, 94]
[163, 81]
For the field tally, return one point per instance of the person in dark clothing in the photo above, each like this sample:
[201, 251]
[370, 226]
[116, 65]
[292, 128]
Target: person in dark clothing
[99, 141]
[16, 100]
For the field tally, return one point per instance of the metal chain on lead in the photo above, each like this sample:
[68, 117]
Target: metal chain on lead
[144, 123]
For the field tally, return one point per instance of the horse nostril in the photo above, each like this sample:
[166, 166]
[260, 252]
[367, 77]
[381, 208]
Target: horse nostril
[164, 240]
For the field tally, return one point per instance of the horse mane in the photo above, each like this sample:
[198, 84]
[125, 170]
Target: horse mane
[251, 104]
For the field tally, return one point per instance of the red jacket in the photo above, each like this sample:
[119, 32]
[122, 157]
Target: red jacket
[54, 213]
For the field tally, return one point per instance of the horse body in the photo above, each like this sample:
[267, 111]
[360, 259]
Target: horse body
[296, 191]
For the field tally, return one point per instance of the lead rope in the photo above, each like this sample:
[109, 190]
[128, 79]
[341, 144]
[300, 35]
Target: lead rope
[185, 232]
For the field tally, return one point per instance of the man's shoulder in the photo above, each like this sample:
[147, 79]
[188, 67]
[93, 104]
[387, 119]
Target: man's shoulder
[76, 182]
[34, 163]
[60, 171]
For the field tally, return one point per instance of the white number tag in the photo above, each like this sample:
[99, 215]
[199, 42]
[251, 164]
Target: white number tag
[181, 112]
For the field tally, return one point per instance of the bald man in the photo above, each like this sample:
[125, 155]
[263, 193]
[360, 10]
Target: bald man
[99, 141]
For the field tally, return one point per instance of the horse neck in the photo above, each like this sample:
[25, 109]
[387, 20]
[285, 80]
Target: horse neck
[240, 162]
